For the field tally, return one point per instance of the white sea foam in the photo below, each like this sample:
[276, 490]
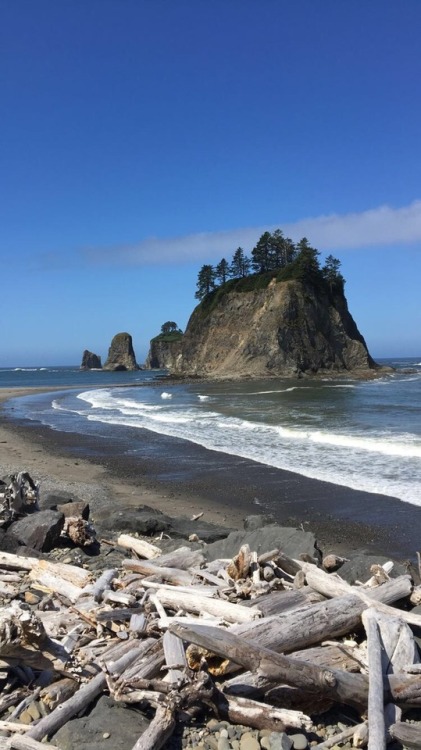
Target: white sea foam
[203, 398]
[166, 395]
[373, 459]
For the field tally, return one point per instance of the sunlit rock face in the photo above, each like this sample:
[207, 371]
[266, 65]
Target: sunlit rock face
[287, 329]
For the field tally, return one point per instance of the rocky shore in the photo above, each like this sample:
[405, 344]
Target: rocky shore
[73, 596]
[170, 515]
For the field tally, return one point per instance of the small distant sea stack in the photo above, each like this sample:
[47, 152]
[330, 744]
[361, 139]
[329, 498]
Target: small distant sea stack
[121, 354]
[90, 361]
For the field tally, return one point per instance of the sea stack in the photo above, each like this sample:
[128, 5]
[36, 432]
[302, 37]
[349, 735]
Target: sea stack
[90, 361]
[289, 328]
[121, 354]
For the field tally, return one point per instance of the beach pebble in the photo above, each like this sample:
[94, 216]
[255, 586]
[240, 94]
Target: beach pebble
[224, 743]
[299, 741]
[106, 735]
[280, 741]
[249, 742]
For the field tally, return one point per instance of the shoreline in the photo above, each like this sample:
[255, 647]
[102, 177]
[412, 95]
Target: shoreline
[183, 479]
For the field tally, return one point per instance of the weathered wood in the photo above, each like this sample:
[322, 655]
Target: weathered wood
[346, 734]
[17, 562]
[23, 742]
[278, 602]
[183, 558]
[331, 584]
[175, 658]
[340, 686]
[140, 546]
[159, 731]
[102, 583]
[202, 604]
[377, 734]
[50, 724]
[66, 580]
[171, 575]
[306, 627]
[330, 657]
[258, 715]
[408, 734]
[58, 692]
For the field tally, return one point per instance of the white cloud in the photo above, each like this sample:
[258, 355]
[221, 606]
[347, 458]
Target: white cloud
[378, 226]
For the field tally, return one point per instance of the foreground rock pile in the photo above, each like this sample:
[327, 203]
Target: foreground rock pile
[240, 644]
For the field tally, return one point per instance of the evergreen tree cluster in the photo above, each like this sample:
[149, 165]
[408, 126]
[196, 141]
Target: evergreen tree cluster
[277, 256]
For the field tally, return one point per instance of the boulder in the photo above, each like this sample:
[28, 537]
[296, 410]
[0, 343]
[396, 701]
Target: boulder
[148, 521]
[121, 725]
[292, 542]
[39, 531]
[121, 354]
[90, 361]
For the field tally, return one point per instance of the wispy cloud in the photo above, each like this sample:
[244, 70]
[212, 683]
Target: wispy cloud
[378, 226]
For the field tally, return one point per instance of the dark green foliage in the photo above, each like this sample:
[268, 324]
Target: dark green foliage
[222, 271]
[240, 266]
[168, 337]
[205, 281]
[332, 275]
[273, 257]
[169, 327]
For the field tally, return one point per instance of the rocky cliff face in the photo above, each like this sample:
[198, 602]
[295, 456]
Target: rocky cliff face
[163, 353]
[121, 354]
[289, 328]
[90, 361]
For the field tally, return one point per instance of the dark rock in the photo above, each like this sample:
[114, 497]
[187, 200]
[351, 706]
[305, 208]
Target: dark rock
[292, 542]
[164, 352]
[251, 523]
[39, 531]
[90, 361]
[151, 522]
[121, 354]
[8, 543]
[77, 509]
[358, 568]
[123, 725]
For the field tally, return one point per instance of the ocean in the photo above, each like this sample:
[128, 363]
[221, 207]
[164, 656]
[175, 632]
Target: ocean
[365, 435]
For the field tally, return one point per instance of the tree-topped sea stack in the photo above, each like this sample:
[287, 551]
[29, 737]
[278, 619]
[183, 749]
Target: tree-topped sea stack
[165, 348]
[290, 317]
[121, 354]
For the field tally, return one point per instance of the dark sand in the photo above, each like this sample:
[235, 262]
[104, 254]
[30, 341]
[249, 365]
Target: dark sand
[181, 478]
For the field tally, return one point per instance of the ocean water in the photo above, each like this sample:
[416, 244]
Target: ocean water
[361, 434]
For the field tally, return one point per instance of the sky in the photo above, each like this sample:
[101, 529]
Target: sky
[141, 139]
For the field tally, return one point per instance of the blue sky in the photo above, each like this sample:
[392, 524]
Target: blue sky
[141, 139]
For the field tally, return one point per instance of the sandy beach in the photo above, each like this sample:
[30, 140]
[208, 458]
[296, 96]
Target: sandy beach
[185, 479]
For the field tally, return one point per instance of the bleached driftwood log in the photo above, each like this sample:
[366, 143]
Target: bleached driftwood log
[140, 546]
[202, 604]
[376, 720]
[340, 686]
[171, 575]
[59, 578]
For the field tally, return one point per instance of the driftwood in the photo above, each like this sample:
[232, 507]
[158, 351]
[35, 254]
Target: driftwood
[376, 720]
[156, 631]
[408, 734]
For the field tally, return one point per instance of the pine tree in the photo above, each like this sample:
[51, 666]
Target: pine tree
[261, 259]
[240, 265]
[205, 281]
[331, 273]
[222, 271]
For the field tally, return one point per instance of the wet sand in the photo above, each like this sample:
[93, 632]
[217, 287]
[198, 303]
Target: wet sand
[181, 478]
